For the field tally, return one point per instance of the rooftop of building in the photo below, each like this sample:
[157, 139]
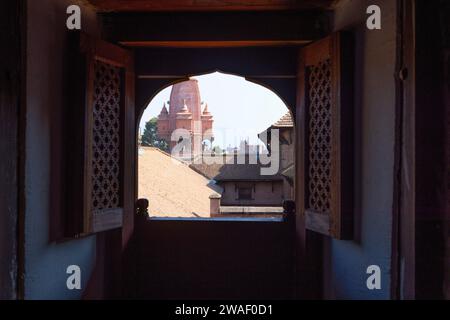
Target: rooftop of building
[229, 169]
[284, 121]
[173, 189]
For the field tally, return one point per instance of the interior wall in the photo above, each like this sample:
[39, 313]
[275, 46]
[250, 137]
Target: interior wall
[11, 14]
[447, 195]
[46, 261]
[431, 83]
[210, 259]
[346, 262]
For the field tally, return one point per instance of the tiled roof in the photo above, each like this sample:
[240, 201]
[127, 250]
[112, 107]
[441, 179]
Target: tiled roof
[172, 188]
[230, 170]
[284, 121]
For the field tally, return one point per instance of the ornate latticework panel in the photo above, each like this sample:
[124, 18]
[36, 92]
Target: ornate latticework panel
[325, 119]
[106, 137]
[320, 132]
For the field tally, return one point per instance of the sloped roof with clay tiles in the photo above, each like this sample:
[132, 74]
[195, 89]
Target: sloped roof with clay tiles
[284, 121]
[173, 189]
[231, 170]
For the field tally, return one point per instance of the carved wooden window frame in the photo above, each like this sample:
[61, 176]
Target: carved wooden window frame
[336, 218]
[89, 53]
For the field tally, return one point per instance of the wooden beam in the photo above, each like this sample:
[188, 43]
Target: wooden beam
[214, 44]
[216, 29]
[208, 5]
[172, 76]
[272, 67]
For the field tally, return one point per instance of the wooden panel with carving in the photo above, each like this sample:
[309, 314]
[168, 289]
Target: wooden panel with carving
[101, 163]
[319, 132]
[106, 137]
[326, 116]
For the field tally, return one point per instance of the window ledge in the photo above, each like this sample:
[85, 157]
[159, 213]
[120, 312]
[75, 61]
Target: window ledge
[215, 219]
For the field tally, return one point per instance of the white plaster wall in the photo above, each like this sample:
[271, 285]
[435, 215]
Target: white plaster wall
[45, 262]
[346, 261]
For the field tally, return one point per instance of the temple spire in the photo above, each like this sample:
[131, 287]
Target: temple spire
[164, 109]
[205, 110]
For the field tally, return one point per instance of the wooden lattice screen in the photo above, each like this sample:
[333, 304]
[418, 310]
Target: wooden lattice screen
[319, 129]
[325, 117]
[101, 136]
[106, 134]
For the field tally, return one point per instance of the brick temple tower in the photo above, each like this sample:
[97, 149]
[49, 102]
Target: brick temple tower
[185, 113]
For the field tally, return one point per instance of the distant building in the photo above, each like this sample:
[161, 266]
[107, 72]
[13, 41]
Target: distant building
[245, 147]
[185, 113]
[243, 184]
[286, 151]
[245, 189]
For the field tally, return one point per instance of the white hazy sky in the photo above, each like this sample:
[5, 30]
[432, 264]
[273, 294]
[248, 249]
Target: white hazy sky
[241, 109]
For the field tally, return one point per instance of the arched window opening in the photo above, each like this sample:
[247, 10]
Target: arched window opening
[216, 145]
